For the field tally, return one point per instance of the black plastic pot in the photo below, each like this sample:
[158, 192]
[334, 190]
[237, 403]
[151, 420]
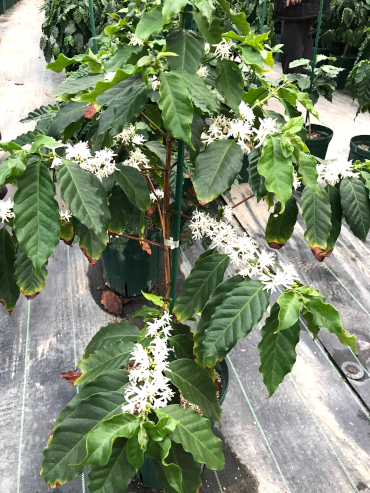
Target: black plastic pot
[133, 271]
[3, 192]
[148, 471]
[356, 153]
[319, 147]
[347, 64]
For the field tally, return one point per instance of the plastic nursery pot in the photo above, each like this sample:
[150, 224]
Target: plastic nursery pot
[148, 471]
[347, 64]
[319, 147]
[134, 271]
[356, 153]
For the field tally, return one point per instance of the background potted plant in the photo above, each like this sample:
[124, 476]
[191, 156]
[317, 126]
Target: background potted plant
[129, 407]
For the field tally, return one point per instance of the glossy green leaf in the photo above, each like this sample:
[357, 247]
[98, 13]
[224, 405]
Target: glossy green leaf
[280, 227]
[93, 244]
[196, 386]
[111, 334]
[211, 33]
[198, 89]
[191, 471]
[238, 18]
[277, 350]
[356, 206]
[252, 57]
[307, 168]
[124, 57]
[256, 181]
[216, 169]
[195, 434]
[134, 185]
[189, 47]
[177, 110]
[277, 170]
[25, 275]
[14, 165]
[204, 278]
[241, 309]
[316, 214]
[70, 113]
[150, 22]
[336, 215]
[205, 7]
[9, 291]
[121, 210]
[116, 475]
[290, 309]
[10, 146]
[103, 85]
[230, 83]
[74, 86]
[62, 62]
[164, 427]
[171, 8]
[108, 358]
[182, 345]
[135, 453]
[37, 219]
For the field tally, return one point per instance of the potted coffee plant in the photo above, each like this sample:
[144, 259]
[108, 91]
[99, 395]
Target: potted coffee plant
[321, 83]
[157, 105]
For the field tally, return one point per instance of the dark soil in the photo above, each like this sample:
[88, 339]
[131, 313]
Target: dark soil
[364, 147]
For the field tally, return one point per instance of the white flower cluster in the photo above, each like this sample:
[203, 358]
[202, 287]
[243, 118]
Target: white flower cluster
[159, 193]
[333, 171]
[136, 157]
[243, 251]
[6, 212]
[101, 164]
[296, 180]
[155, 82]
[241, 129]
[109, 76]
[65, 216]
[149, 387]
[225, 49]
[134, 41]
[203, 71]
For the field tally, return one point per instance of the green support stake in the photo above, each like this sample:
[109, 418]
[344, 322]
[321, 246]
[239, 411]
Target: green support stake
[93, 30]
[263, 16]
[317, 41]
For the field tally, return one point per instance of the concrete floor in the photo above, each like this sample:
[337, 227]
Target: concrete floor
[312, 436]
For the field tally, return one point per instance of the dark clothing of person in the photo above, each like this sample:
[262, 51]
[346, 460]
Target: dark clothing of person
[307, 9]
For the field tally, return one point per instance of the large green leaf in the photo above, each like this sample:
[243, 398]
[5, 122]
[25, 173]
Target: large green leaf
[196, 386]
[198, 89]
[120, 209]
[37, 219]
[149, 23]
[230, 83]
[215, 300]
[189, 47]
[234, 318]
[211, 33]
[13, 165]
[25, 274]
[336, 215]
[135, 453]
[134, 185]
[9, 291]
[73, 86]
[205, 7]
[105, 359]
[104, 85]
[290, 309]
[169, 476]
[277, 350]
[316, 214]
[70, 113]
[81, 191]
[238, 18]
[125, 56]
[177, 110]
[252, 57]
[356, 206]
[206, 275]
[307, 168]
[216, 169]
[256, 181]
[116, 475]
[171, 8]
[111, 334]
[182, 345]
[93, 244]
[195, 434]
[280, 227]
[68, 442]
[277, 170]
[191, 471]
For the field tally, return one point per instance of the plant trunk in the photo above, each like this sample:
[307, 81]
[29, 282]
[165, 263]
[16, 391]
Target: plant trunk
[345, 50]
[166, 213]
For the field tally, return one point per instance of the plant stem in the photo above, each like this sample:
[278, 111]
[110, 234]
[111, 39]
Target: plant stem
[345, 50]
[151, 186]
[154, 125]
[152, 169]
[242, 201]
[185, 234]
[180, 214]
[144, 240]
[166, 208]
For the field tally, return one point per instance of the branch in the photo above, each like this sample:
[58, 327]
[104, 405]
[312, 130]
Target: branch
[185, 234]
[180, 214]
[242, 201]
[139, 239]
[154, 125]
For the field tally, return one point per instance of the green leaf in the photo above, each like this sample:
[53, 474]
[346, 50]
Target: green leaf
[93, 244]
[177, 110]
[230, 83]
[191, 471]
[290, 309]
[108, 358]
[68, 443]
[189, 47]
[37, 219]
[256, 181]
[294, 125]
[74, 86]
[121, 210]
[83, 194]
[124, 57]
[99, 442]
[134, 453]
[206, 275]
[252, 57]
[325, 315]
[116, 475]
[216, 169]
[196, 386]
[239, 19]
[111, 334]
[198, 89]
[182, 345]
[25, 275]
[356, 206]
[14, 165]
[280, 227]
[70, 113]
[211, 33]
[205, 7]
[150, 22]
[241, 309]
[277, 170]
[134, 185]
[313, 328]
[316, 214]
[336, 215]
[9, 291]
[10, 146]
[306, 102]
[171, 8]
[195, 434]
[62, 62]
[277, 350]
[164, 427]
[307, 168]
[44, 140]
[104, 85]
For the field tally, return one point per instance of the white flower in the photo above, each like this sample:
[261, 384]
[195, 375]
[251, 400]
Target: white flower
[333, 171]
[228, 213]
[78, 152]
[56, 162]
[207, 48]
[267, 127]
[203, 71]
[135, 41]
[159, 193]
[155, 82]
[138, 139]
[109, 76]
[246, 113]
[6, 212]
[126, 135]
[285, 277]
[224, 49]
[296, 182]
[65, 216]
[136, 158]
